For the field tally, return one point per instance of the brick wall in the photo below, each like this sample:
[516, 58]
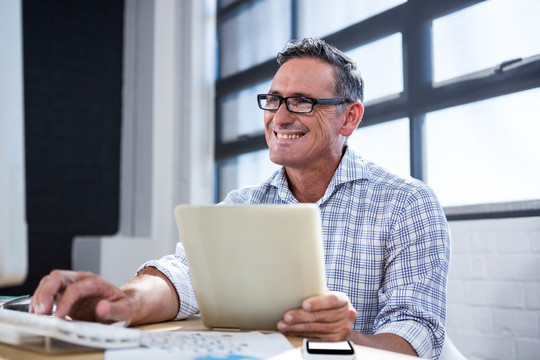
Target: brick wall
[494, 288]
[73, 92]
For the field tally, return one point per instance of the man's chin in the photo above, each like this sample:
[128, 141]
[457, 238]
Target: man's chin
[288, 163]
[286, 157]
[278, 160]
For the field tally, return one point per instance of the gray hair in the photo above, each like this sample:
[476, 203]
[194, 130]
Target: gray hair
[349, 83]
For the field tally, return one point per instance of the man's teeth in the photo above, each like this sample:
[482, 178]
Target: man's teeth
[285, 136]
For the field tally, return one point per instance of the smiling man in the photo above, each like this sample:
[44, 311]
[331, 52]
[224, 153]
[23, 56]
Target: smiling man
[307, 134]
[386, 238]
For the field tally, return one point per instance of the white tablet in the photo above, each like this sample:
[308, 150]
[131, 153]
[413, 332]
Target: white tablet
[252, 263]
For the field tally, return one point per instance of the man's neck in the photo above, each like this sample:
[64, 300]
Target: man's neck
[309, 186]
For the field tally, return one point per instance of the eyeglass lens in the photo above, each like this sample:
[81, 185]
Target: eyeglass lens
[294, 104]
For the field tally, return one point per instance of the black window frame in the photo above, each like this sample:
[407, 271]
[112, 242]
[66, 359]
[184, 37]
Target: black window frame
[413, 19]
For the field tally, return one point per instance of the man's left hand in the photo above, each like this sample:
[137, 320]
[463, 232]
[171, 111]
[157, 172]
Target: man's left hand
[328, 317]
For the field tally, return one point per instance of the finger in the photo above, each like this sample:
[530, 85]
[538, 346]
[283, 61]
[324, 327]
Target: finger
[327, 320]
[338, 329]
[332, 324]
[90, 287]
[43, 297]
[330, 300]
[324, 316]
[114, 311]
[49, 289]
[322, 331]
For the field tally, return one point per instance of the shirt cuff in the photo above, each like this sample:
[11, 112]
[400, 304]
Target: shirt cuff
[188, 304]
[414, 333]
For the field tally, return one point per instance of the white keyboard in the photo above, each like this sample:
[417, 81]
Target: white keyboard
[22, 328]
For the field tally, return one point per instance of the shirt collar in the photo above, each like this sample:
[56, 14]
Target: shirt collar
[351, 168]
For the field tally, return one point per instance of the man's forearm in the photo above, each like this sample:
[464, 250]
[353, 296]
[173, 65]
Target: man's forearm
[152, 296]
[387, 341]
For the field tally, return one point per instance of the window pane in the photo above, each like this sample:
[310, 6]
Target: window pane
[483, 36]
[381, 65]
[387, 144]
[223, 3]
[322, 17]
[255, 35]
[487, 151]
[248, 169]
[241, 114]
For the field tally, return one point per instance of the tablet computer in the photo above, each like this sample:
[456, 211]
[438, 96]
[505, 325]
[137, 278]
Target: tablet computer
[250, 264]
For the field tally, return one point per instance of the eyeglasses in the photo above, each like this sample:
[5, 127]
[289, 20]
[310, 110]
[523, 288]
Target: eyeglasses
[295, 104]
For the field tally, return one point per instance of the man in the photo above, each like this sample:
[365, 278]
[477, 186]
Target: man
[386, 239]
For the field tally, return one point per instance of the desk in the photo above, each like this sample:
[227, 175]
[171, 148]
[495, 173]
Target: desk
[8, 352]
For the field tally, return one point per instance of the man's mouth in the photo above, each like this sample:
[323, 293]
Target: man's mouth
[288, 136]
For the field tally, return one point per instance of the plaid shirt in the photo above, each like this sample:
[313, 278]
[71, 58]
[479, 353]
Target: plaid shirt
[387, 246]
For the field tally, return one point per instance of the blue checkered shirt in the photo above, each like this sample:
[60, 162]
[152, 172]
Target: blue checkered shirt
[387, 246]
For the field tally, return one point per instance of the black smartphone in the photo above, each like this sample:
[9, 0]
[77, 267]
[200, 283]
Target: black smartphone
[328, 350]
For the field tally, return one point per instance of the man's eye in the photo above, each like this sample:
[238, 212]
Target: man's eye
[272, 100]
[301, 101]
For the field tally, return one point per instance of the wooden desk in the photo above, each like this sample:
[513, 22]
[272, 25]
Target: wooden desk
[191, 324]
[8, 352]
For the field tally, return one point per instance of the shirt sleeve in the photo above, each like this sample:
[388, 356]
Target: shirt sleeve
[412, 298]
[176, 269]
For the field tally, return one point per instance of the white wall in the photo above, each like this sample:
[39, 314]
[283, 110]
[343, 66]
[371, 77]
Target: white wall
[494, 288]
[13, 227]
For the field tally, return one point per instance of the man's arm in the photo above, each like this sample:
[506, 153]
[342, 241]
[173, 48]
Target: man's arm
[388, 341]
[149, 297]
[153, 296]
[331, 317]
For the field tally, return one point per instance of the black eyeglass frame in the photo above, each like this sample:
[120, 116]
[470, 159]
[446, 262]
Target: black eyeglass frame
[332, 101]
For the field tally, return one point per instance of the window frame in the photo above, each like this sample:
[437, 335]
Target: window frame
[420, 95]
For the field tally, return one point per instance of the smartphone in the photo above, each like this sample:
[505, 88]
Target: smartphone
[328, 350]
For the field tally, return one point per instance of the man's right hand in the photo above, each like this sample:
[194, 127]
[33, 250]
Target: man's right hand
[83, 296]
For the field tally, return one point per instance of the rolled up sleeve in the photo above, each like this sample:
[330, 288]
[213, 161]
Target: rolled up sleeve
[413, 296]
[175, 268]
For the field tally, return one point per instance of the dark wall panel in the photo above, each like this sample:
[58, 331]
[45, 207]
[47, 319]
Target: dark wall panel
[73, 93]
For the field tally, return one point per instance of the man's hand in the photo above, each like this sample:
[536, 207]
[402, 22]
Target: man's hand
[148, 298]
[328, 317]
[81, 295]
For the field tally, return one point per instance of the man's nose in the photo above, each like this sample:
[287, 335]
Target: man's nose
[282, 115]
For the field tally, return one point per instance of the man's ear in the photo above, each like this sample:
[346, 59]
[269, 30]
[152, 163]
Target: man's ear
[352, 117]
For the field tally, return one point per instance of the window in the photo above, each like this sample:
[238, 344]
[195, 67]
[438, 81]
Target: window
[449, 92]
[247, 169]
[483, 35]
[318, 18]
[244, 42]
[387, 144]
[381, 65]
[494, 151]
[241, 115]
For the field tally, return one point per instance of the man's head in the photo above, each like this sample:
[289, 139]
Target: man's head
[349, 83]
[303, 133]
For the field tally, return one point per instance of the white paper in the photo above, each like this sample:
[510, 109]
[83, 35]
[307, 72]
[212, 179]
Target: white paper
[205, 345]
[139, 354]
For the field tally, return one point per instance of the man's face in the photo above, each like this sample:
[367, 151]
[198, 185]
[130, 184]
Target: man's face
[304, 141]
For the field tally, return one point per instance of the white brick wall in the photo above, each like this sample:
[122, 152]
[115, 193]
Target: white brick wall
[494, 288]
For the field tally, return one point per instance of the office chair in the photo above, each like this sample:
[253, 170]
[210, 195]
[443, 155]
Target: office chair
[450, 352]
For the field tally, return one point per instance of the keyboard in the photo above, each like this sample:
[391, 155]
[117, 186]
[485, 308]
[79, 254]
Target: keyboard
[22, 328]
